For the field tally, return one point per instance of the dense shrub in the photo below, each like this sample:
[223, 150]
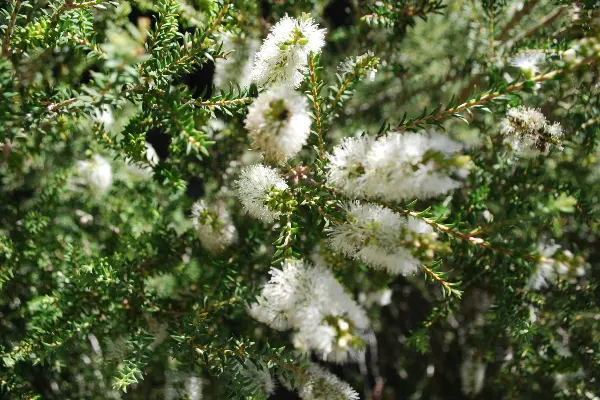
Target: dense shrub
[325, 199]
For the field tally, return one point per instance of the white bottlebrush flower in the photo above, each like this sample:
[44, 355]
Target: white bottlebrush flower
[397, 166]
[146, 171]
[371, 74]
[261, 381]
[236, 69]
[347, 163]
[374, 235]
[96, 174]
[555, 264]
[381, 297]
[180, 385]
[278, 123]
[472, 373]
[528, 63]
[411, 166]
[105, 116]
[561, 380]
[258, 189]
[151, 155]
[311, 301]
[527, 129]
[323, 385]
[283, 56]
[213, 225]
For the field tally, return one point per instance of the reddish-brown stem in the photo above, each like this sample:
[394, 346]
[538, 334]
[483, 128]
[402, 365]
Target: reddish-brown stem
[317, 106]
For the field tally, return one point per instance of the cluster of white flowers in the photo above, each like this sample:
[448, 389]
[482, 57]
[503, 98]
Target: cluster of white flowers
[96, 174]
[563, 265]
[213, 224]
[104, 115]
[397, 166]
[383, 239]
[352, 63]
[182, 385]
[311, 301]
[283, 56]
[260, 190]
[260, 379]
[381, 297]
[237, 67]
[144, 171]
[527, 129]
[528, 63]
[472, 374]
[278, 123]
[323, 385]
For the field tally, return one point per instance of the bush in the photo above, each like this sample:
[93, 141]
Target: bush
[330, 200]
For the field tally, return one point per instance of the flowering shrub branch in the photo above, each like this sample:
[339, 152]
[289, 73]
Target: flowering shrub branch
[207, 199]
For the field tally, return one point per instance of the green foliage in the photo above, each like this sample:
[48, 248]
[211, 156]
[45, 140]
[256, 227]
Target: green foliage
[108, 293]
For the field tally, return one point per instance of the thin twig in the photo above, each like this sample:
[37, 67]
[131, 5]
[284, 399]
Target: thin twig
[590, 122]
[547, 20]
[213, 26]
[158, 28]
[69, 5]
[220, 103]
[516, 18]
[85, 43]
[475, 102]
[317, 106]
[468, 237]
[240, 352]
[213, 307]
[287, 241]
[343, 87]
[447, 287]
[85, 4]
[9, 29]
[51, 107]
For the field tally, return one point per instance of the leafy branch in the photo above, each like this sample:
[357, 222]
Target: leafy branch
[477, 102]
[401, 14]
[71, 5]
[10, 27]
[225, 102]
[191, 55]
[433, 274]
[527, 7]
[462, 236]
[315, 86]
[359, 69]
[283, 244]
